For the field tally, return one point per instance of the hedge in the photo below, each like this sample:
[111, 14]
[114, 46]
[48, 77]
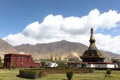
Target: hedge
[30, 74]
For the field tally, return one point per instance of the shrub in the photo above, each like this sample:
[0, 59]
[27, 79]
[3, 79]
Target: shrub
[108, 71]
[31, 74]
[91, 70]
[69, 75]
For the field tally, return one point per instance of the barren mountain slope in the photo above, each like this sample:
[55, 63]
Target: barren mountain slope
[59, 49]
[6, 48]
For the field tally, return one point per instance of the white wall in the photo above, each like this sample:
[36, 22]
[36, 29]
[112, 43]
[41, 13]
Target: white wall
[100, 65]
[110, 65]
[90, 66]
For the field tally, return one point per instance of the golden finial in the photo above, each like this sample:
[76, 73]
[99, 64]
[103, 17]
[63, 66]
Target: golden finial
[91, 37]
[91, 30]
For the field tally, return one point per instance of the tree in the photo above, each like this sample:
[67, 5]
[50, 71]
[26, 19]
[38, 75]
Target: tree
[60, 65]
[13, 65]
[51, 58]
[1, 62]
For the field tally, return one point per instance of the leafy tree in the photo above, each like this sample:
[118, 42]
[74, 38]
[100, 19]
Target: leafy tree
[13, 65]
[1, 62]
[60, 65]
[55, 59]
[51, 58]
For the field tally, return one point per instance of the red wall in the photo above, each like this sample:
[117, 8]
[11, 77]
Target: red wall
[19, 61]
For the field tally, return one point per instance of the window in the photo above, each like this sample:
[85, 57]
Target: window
[89, 54]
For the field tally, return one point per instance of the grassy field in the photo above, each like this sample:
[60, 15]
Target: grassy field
[6, 74]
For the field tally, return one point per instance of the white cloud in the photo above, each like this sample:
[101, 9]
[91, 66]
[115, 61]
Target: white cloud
[74, 25]
[54, 28]
[110, 19]
[18, 39]
[108, 43]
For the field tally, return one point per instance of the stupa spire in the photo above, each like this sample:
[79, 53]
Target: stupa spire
[92, 40]
[92, 54]
[92, 36]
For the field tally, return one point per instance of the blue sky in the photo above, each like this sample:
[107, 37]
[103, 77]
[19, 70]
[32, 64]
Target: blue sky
[43, 21]
[15, 15]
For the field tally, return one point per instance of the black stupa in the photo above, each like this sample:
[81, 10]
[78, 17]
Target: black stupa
[92, 54]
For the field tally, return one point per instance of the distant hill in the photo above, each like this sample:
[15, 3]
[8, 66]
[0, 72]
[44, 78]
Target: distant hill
[6, 48]
[59, 49]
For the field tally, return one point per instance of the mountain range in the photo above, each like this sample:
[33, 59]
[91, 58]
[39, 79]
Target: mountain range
[6, 48]
[57, 49]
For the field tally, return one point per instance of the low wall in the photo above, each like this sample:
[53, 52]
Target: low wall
[55, 71]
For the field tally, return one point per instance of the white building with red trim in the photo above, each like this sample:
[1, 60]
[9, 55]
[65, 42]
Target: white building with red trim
[91, 65]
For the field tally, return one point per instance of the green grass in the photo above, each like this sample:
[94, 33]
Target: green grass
[85, 76]
[6, 74]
